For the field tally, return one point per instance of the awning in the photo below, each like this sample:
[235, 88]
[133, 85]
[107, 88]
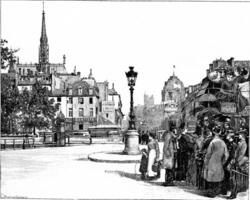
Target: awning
[197, 109]
[206, 97]
[208, 111]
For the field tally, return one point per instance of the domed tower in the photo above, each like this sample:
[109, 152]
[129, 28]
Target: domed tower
[173, 94]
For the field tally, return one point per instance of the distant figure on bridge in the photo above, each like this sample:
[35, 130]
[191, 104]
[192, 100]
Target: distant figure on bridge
[144, 137]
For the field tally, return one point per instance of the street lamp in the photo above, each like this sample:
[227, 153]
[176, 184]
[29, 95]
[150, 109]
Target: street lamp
[132, 136]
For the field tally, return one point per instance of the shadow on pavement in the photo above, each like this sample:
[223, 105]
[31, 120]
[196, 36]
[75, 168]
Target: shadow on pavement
[82, 159]
[137, 177]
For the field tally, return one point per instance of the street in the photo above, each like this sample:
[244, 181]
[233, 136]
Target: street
[66, 172]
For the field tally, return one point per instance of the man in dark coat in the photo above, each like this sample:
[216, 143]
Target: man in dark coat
[231, 146]
[215, 158]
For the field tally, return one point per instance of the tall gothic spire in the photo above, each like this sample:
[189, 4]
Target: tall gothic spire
[173, 70]
[44, 46]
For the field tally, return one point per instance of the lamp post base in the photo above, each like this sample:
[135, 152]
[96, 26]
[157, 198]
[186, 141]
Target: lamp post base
[132, 143]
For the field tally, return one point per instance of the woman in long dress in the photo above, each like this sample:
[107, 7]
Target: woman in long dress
[153, 154]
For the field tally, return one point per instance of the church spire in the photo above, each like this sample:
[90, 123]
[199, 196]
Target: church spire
[44, 46]
[173, 70]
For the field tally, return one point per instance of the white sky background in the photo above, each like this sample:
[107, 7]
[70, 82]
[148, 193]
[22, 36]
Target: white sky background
[151, 36]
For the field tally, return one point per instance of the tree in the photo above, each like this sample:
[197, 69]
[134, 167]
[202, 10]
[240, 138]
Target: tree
[9, 92]
[38, 111]
[10, 103]
[7, 55]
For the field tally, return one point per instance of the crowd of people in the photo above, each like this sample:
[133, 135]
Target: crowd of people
[206, 158]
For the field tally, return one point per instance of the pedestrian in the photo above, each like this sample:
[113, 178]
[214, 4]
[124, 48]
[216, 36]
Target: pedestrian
[168, 158]
[237, 164]
[145, 137]
[199, 160]
[144, 163]
[241, 150]
[207, 137]
[231, 146]
[153, 155]
[226, 129]
[183, 154]
[215, 158]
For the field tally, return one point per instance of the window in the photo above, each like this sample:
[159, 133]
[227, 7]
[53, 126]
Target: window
[90, 91]
[59, 99]
[80, 112]
[70, 100]
[81, 100]
[70, 91]
[100, 106]
[23, 71]
[96, 110]
[20, 71]
[79, 90]
[28, 70]
[170, 95]
[91, 110]
[80, 126]
[90, 100]
[70, 112]
[107, 115]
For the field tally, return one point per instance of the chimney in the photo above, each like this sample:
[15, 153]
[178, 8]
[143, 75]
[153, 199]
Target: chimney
[64, 59]
[231, 61]
[190, 89]
[211, 67]
[208, 71]
[113, 86]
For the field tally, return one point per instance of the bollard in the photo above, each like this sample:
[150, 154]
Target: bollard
[33, 142]
[23, 143]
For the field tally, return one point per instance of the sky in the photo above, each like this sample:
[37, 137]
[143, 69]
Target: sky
[111, 36]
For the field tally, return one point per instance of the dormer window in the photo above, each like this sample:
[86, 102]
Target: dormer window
[79, 90]
[70, 91]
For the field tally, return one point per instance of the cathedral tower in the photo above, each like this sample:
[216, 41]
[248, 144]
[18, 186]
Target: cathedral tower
[44, 48]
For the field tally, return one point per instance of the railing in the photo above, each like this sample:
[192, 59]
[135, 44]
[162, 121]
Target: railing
[17, 142]
[241, 180]
[51, 140]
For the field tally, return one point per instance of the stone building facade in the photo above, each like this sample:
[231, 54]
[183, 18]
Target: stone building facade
[81, 98]
[111, 104]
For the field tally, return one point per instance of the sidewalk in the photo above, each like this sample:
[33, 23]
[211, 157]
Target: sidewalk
[67, 173]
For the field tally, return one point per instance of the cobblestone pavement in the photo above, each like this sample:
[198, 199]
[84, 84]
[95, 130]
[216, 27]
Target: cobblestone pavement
[65, 172]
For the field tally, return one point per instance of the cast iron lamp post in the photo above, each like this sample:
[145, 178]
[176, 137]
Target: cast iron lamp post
[131, 137]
